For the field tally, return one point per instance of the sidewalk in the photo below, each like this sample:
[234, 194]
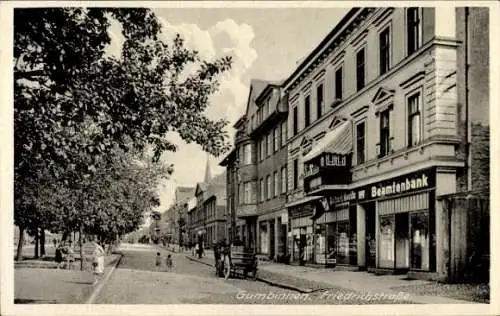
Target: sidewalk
[308, 279]
[56, 286]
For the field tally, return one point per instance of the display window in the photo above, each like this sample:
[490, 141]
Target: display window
[420, 243]
[386, 241]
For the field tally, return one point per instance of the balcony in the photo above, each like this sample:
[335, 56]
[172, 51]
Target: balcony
[322, 178]
[269, 122]
[246, 210]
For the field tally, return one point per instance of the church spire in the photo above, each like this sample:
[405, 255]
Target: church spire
[208, 175]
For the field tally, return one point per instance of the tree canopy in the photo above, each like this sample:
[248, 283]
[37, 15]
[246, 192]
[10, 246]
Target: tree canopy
[82, 117]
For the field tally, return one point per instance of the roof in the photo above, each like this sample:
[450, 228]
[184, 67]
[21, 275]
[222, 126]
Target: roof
[228, 158]
[337, 141]
[332, 35]
[217, 188]
[183, 194]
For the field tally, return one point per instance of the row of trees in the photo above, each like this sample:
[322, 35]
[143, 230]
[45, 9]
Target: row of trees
[90, 128]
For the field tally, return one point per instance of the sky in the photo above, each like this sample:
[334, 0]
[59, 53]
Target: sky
[266, 43]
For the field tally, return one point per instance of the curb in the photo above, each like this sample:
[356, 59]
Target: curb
[270, 282]
[99, 287]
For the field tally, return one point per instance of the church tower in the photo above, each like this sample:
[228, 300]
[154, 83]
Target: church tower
[208, 174]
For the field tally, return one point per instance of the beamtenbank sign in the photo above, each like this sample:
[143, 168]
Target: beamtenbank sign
[411, 182]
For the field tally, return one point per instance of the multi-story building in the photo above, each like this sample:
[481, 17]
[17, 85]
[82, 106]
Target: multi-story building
[379, 115]
[177, 214]
[257, 169]
[190, 228]
[208, 218]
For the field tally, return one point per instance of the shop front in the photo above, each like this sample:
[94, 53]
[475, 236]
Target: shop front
[392, 222]
[336, 234]
[301, 233]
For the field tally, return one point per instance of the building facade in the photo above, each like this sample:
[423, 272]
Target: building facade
[257, 171]
[378, 119]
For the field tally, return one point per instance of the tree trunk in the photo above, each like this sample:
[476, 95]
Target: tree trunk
[20, 244]
[64, 236]
[81, 248]
[42, 242]
[36, 243]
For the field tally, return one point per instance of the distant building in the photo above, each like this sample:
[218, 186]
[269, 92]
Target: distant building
[208, 217]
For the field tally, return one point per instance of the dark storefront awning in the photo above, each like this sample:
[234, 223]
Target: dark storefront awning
[337, 141]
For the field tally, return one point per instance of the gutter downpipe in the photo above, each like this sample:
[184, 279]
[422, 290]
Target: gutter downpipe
[468, 128]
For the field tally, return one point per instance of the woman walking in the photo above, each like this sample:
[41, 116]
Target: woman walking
[98, 262]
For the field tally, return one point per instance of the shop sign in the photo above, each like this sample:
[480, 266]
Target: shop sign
[412, 182]
[333, 160]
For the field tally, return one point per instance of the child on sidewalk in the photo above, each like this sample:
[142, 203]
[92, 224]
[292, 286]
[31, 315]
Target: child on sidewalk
[158, 262]
[169, 263]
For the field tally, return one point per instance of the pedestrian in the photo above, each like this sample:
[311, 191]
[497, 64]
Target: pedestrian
[169, 263]
[157, 262]
[59, 257]
[98, 262]
[54, 241]
[70, 255]
[196, 247]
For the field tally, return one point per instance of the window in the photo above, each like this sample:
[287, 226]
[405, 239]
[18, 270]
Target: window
[307, 111]
[384, 133]
[360, 69]
[248, 192]
[414, 119]
[276, 184]
[319, 100]
[247, 158]
[269, 187]
[276, 139]
[252, 120]
[338, 84]
[384, 49]
[295, 174]
[283, 133]
[360, 143]
[268, 106]
[269, 144]
[262, 149]
[266, 110]
[414, 36]
[283, 179]
[262, 191]
[295, 121]
[239, 197]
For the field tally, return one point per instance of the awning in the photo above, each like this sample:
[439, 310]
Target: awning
[337, 141]
[303, 200]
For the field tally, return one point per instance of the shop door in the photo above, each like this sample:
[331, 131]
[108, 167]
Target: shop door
[402, 241]
[371, 243]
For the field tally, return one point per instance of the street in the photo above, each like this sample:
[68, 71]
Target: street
[135, 282]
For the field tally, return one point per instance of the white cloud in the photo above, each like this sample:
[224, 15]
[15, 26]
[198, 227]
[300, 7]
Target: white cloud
[224, 38]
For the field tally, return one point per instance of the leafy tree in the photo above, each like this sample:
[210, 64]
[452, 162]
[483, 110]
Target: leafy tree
[74, 105]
